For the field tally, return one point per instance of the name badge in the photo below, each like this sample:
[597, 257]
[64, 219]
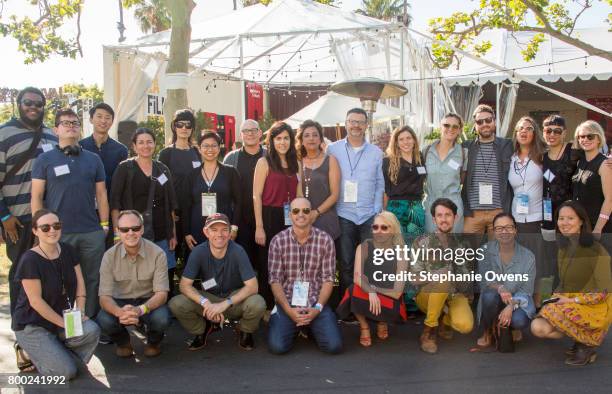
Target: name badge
[61, 170]
[350, 191]
[485, 193]
[421, 170]
[549, 176]
[209, 204]
[162, 179]
[46, 147]
[523, 203]
[300, 293]
[453, 164]
[196, 164]
[209, 284]
[73, 324]
[286, 211]
[548, 211]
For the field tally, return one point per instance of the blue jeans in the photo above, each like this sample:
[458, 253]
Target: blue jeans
[170, 256]
[156, 321]
[352, 235]
[282, 332]
[492, 305]
[52, 354]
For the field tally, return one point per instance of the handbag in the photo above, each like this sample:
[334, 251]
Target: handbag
[504, 341]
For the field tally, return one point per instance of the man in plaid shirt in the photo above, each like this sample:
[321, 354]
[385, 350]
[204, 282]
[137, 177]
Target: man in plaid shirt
[301, 266]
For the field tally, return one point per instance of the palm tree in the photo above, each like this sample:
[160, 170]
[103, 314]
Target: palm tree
[387, 10]
[152, 16]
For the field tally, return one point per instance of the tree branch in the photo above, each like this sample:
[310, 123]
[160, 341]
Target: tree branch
[586, 6]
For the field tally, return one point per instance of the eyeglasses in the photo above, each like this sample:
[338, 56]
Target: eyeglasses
[249, 131]
[504, 229]
[296, 211]
[126, 230]
[525, 128]
[70, 124]
[183, 125]
[210, 147]
[480, 122]
[556, 131]
[450, 126]
[356, 122]
[32, 103]
[382, 227]
[45, 228]
[589, 137]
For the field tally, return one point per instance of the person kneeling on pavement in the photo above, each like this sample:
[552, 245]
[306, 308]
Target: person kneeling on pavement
[301, 265]
[134, 287]
[229, 283]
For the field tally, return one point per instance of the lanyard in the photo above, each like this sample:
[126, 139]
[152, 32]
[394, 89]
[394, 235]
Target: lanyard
[58, 267]
[481, 156]
[210, 181]
[348, 156]
[521, 170]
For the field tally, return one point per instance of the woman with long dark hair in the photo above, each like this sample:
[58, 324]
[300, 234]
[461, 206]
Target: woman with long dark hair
[274, 187]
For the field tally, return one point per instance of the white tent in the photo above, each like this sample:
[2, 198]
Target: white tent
[330, 110]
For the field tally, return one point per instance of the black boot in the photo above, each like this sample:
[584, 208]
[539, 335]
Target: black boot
[584, 355]
[199, 341]
[246, 340]
[571, 351]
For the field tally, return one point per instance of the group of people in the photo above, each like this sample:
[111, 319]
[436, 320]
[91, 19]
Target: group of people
[259, 232]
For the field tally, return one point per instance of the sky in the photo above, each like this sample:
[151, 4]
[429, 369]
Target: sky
[99, 20]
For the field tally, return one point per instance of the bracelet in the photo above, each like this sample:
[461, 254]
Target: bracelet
[203, 301]
[234, 228]
[116, 238]
[7, 217]
[318, 306]
[229, 300]
[105, 228]
[318, 212]
[144, 309]
[601, 215]
[576, 300]
[104, 224]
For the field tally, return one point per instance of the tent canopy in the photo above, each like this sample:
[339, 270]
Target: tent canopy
[554, 61]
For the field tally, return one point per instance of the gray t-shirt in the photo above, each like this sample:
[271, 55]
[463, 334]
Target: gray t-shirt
[485, 171]
[229, 273]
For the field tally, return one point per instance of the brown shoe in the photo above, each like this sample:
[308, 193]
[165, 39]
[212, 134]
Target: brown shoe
[124, 351]
[428, 340]
[584, 355]
[152, 350]
[444, 331]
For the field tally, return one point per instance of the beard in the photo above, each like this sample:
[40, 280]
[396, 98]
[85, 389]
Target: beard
[34, 123]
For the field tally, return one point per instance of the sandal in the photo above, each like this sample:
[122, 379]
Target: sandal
[23, 361]
[382, 330]
[365, 340]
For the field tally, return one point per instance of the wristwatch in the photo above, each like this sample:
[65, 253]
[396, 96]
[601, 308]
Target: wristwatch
[318, 306]
[229, 300]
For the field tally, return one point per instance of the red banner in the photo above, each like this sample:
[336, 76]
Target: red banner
[604, 103]
[254, 98]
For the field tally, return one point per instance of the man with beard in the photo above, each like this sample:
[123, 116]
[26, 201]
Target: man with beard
[486, 191]
[21, 141]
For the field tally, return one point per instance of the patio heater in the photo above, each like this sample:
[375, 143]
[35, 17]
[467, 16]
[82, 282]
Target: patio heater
[369, 91]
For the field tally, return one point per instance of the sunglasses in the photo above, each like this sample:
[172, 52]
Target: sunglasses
[32, 103]
[589, 137]
[450, 126]
[296, 211]
[556, 131]
[45, 228]
[480, 122]
[382, 227]
[126, 230]
[182, 125]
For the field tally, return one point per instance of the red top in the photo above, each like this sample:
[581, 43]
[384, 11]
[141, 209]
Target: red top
[279, 189]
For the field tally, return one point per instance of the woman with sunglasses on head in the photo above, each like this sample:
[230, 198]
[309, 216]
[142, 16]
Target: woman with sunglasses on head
[146, 185]
[181, 157]
[580, 307]
[373, 295]
[319, 177]
[592, 181]
[211, 188]
[404, 174]
[445, 161]
[274, 187]
[51, 283]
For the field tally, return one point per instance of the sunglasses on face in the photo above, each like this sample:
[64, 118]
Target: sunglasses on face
[589, 137]
[183, 125]
[126, 230]
[296, 211]
[450, 126]
[382, 227]
[480, 122]
[32, 103]
[45, 228]
[556, 131]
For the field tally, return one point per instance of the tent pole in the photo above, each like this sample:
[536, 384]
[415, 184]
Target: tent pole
[403, 98]
[243, 115]
[497, 111]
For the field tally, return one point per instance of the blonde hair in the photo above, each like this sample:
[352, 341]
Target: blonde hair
[538, 146]
[394, 154]
[391, 220]
[594, 128]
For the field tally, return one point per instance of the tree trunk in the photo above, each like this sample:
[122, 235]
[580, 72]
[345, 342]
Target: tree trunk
[178, 57]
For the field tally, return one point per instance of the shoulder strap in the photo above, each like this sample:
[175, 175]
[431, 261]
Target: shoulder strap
[425, 154]
[24, 157]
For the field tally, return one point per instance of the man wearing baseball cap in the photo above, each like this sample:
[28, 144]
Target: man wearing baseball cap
[229, 287]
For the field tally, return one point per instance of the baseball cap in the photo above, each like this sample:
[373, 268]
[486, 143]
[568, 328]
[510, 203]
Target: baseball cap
[216, 218]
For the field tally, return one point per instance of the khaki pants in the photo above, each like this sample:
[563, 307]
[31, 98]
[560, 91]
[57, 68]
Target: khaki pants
[189, 313]
[459, 315]
[480, 222]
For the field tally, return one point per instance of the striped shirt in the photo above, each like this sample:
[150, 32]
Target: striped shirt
[15, 194]
[313, 262]
[485, 171]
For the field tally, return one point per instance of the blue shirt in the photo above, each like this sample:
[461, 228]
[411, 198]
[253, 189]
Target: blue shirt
[363, 166]
[70, 188]
[111, 152]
